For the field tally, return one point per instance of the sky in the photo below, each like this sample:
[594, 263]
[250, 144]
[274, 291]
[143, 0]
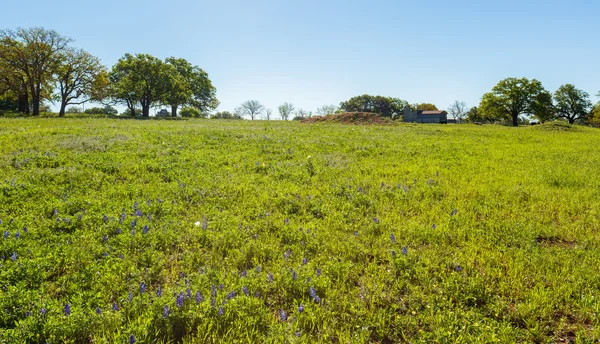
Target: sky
[317, 52]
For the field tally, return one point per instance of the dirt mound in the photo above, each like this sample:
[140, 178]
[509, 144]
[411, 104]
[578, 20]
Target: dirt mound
[364, 118]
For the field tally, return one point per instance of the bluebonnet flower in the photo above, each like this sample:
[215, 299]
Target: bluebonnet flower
[105, 218]
[298, 334]
[115, 307]
[243, 273]
[142, 287]
[213, 290]
[318, 272]
[360, 189]
[287, 253]
[245, 290]
[98, 310]
[17, 235]
[405, 189]
[165, 311]
[13, 257]
[433, 226]
[382, 185]
[0, 222]
[104, 238]
[27, 314]
[133, 223]
[231, 295]
[257, 294]
[138, 213]
[376, 220]
[355, 233]
[188, 293]
[313, 294]
[199, 297]
[304, 261]
[221, 286]
[286, 221]
[300, 309]
[67, 309]
[393, 238]
[6, 234]
[415, 180]
[179, 300]
[258, 268]
[282, 315]
[339, 260]
[55, 211]
[119, 231]
[79, 217]
[458, 268]
[294, 276]
[145, 229]
[270, 277]
[204, 222]
[25, 230]
[148, 202]
[393, 253]
[221, 311]
[135, 206]
[404, 250]
[149, 217]
[130, 296]
[132, 339]
[159, 291]
[308, 279]
[42, 311]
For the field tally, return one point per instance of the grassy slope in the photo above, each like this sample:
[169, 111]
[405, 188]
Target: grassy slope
[518, 261]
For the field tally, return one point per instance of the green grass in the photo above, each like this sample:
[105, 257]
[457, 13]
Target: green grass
[517, 261]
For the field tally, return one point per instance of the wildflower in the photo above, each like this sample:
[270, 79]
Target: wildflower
[55, 211]
[318, 272]
[27, 314]
[286, 221]
[179, 300]
[270, 277]
[135, 206]
[245, 290]
[376, 220]
[133, 223]
[142, 287]
[145, 229]
[98, 310]
[258, 269]
[159, 292]
[105, 219]
[382, 185]
[132, 339]
[282, 315]
[405, 189]
[433, 226]
[213, 290]
[221, 311]
[165, 311]
[393, 253]
[360, 189]
[298, 333]
[355, 233]
[25, 230]
[287, 253]
[104, 238]
[188, 293]
[199, 297]
[404, 250]
[458, 268]
[119, 231]
[294, 276]
[13, 257]
[204, 223]
[313, 294]
[231, 295]
[415, 180]
[393, 238]
[42, 311]
[115, 307]
[304, 261]
[300, 309]
[221, 286]
[17, 235]
[149, 217]
[79, 217]
[67, 309]
[6, 234]
[244, 274]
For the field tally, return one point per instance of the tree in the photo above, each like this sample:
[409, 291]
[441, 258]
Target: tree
[250, 108]
[513, 97]
[76, 75]
[571, 103]
[327, 110]
[141, 79]
[13, 86]
[384, 106]
[35, 54]
[285, 110]
[458, 110]
[301, 114]
[473, 115]
[424, 107]
[189, 85]
[268, 113]
[225, 115]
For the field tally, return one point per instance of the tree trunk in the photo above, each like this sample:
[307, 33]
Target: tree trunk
[515, 120]
[145, 110]
[23, 106]
[63, 107]
[174, 110]
[571, 120]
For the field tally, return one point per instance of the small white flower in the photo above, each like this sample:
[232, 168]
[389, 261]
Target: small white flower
[197, 223]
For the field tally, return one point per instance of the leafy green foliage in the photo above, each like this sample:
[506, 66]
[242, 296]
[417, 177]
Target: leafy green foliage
[225, 115]
[571, 103]
[402, 233]
[424, 106]
[384, 106]
[192, 112]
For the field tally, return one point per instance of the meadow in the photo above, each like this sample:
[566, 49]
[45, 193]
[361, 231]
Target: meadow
[122, 231]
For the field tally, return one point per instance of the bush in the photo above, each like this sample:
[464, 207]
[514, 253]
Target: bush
[225, 115]
[70, 109]
[191, 112]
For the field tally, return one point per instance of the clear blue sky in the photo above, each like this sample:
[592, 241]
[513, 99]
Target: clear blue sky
[315, 52]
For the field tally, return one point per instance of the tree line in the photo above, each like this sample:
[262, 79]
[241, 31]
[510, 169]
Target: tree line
[38, 65]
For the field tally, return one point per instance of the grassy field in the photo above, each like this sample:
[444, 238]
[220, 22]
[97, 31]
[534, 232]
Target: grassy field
[219, 231]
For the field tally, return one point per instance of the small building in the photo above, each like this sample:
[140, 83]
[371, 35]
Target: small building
[425, 116]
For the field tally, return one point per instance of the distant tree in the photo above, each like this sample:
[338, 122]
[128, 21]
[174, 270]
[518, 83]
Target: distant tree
[268, 114]
[424, 106]
[73, 109]
[285, 110]
[458, 110]
[384, 106]
[571, 103]
[251, 108]
[14, 92]
[542, 107]
[513, 97]
[34, 54]
[301, 114]
[190, 111]
[140, 79]
[473, 115]
[225, 115]
[76, 75]
[189, 85]
[327, 110]
[594, 117]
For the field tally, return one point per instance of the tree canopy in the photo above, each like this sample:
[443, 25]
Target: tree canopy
[571, 103]
[384, 106]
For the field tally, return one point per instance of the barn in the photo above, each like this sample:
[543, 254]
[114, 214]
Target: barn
[425, 116]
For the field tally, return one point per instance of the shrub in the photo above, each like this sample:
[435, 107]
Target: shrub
[225, 115]
[191, 112]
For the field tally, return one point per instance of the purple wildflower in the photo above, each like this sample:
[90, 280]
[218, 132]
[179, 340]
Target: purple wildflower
[231, 295]
[393, 238]
[142, 287]
[433, 226]
[199, 297]
[213, 290]
[304, 261]
[119, 231]
[13, 256]
[98, 310]
[300, 309]
[376, 220]
[67, 309]
[104, 218]
[42, 311]
[132, 339]
[243, 273]
[318, 272]
[25, 230]
[204, 222]
[115, 307]
[286, 221]
[294, 275]
[287, 253]
[27, 314]
[221, 286]
[258, 269]
[382, 185]
[221, 311]
[405, 189]
[393, 253]
[355, 233]
[179, 300]
[104, 238]
[245, 290]
[188, 293]
[17, 235]
[270, 277]
[133, 223]
[159, 292]
[404, 250]
[165, 311]
[282, 315]
[130, 296]
[313, 294]
[145, 230]
[458, 268]
[6, 234]
[415, 180]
